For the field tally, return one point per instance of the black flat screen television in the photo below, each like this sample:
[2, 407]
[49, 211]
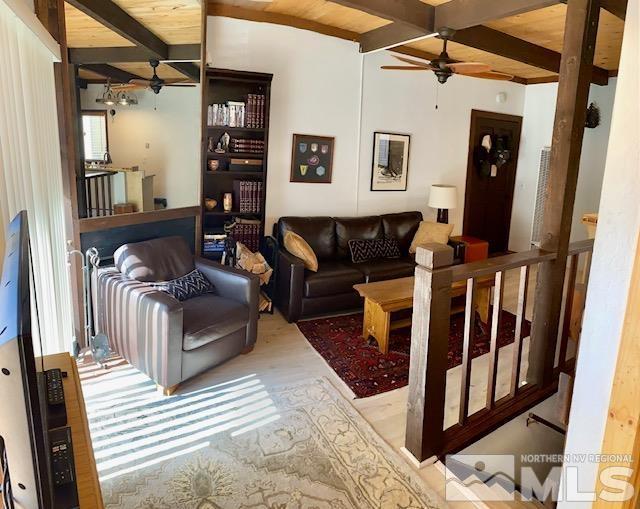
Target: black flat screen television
[24, 461]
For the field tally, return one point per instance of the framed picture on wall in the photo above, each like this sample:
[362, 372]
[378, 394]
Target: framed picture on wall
[390, 162]
[312, 159]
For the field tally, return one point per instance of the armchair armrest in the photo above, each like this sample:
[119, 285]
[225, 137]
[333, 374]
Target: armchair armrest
[144, 325]
[290, 280]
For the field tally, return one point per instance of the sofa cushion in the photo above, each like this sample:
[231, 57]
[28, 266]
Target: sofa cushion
[362, 228]
[319, 232]
[402, 226]
[210, 317]
[332, 278]
[373, 249]
[428, 231]
[381, 270]
[161, 259]
[299, 247]
[187, 287]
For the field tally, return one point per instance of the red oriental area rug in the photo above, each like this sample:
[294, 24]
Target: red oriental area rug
[367, 371]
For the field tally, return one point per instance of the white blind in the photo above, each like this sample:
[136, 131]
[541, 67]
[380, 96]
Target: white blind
[94, 131]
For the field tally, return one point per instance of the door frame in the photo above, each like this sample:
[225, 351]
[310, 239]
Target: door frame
[491, 115]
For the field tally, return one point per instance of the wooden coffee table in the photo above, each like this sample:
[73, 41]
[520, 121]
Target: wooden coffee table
[385, 297]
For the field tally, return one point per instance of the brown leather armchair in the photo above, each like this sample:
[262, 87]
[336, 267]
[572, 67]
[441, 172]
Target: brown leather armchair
[172, 341]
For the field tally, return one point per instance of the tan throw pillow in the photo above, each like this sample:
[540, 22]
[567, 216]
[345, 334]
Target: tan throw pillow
[297, 246]
[428, 231]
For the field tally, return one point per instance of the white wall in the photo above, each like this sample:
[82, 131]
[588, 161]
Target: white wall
[537, 130]
[613, 257]
[170, 124]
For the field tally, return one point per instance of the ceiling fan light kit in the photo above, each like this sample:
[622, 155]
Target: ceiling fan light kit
[444, 66]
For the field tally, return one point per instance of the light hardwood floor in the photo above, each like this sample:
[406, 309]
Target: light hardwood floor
[282, 355]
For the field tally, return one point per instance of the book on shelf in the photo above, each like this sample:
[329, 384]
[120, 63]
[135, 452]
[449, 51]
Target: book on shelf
[255, 111]
[247, 196]
[229, 114]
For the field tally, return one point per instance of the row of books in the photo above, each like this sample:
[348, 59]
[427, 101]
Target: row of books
[247, 146]
[229, 114]
[248, 232]
[247, 196]
[255, 111]
[214, 243]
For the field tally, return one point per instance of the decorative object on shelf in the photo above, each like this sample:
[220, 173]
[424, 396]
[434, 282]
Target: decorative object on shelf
[312, 159]
[210, 203]
[248, 165]
[390, 165]
[224, 142]
[443, 198]
[211, 146]
[593, 116]
[219, 149]
[227, 202]
[213, 164]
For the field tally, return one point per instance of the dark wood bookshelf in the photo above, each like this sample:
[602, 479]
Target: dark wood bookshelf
[221, 86]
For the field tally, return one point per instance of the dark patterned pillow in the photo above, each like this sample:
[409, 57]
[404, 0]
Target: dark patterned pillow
[363, 250]
[188, 286]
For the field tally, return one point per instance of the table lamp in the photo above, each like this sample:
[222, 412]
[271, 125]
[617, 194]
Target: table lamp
[443, 198]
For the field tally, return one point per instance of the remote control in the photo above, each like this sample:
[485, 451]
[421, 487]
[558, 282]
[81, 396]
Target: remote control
[62, 464]
[55, 391]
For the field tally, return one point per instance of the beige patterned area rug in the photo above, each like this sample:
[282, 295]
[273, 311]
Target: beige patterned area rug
[240, 445]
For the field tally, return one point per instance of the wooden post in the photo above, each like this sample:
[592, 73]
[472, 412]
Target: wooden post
[429, 349]
[573, 92]
[51, 15]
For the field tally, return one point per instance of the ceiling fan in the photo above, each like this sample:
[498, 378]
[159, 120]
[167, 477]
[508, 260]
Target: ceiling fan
[156, 83]
[444, 66]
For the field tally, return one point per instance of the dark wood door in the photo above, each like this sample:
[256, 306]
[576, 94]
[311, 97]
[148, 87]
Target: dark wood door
[489, 194]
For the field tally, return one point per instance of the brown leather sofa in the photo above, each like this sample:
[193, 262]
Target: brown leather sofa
[169, 340]
[302, 293]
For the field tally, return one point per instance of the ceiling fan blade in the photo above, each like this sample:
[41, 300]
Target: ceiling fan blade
[179, 85]
[142, 83]
[469, 67]
[490, 75]
[175, 80]
[417, 63]
[404, 68]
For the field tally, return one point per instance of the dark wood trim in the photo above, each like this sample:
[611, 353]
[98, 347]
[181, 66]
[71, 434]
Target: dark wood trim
[459, 14]
[117, 19]
[568, 132]
[505, 45]
[391, 35]
[204, 105]
[502, 117]
[95, 224]
[544, 79]
[189, 69]
[231, 11]
[187, 52]
[616, 7]
[109, 71]
[413, 13]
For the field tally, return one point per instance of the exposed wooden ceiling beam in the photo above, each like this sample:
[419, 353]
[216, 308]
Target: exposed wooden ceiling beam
[410, 12]
[458, 14]
[184, 52]
[117, 19]
[189, 69]
[109, 71]
[505, 45]
[387, 37]
[616, 7]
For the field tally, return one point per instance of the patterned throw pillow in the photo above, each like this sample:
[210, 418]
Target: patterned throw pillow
[363, 250]
[188, 286]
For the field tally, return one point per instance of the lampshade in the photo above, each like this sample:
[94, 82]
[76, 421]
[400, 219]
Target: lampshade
[443, 197]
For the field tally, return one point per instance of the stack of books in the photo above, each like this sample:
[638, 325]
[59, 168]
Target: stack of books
[214, 243]
[246, 146]
[229, 114]
[247, 231]
[247, 195]
[255, 111]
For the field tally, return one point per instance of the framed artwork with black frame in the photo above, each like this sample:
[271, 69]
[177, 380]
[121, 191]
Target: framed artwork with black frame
[312, 159]
[390, 164]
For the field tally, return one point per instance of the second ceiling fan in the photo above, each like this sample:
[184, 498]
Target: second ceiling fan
[444, 66]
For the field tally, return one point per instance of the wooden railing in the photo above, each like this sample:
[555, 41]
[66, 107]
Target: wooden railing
[426, 435]
[99, 193]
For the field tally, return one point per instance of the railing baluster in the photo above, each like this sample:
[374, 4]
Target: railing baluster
[568, 308]
[109, 196]
[496, 320]
[521, 312]
[89, 197]
[103, 196]
[469, 330]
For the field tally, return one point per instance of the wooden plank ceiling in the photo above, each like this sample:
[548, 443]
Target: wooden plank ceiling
[175, 22]
[543, 27]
